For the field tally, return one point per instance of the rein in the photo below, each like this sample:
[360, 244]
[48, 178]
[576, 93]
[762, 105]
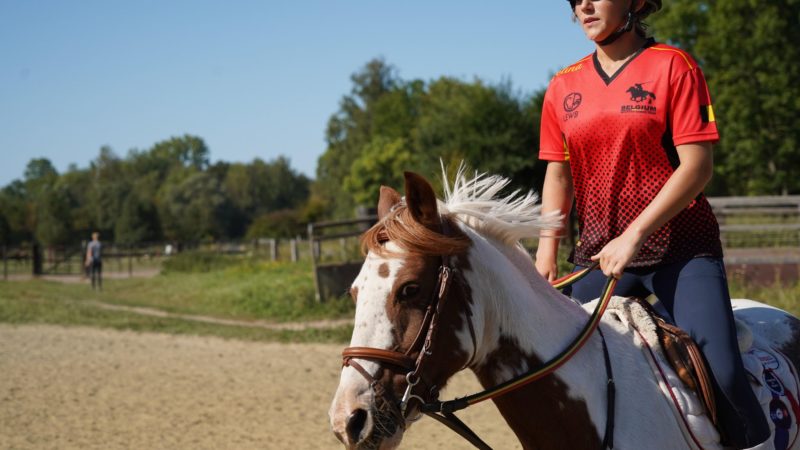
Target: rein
[444, 411]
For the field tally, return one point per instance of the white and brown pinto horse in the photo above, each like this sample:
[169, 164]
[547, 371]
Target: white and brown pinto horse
[499, 319]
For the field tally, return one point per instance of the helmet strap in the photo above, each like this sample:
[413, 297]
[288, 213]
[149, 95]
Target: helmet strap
[628, 26]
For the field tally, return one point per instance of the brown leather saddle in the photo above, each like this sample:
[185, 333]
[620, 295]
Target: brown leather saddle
[685, 358]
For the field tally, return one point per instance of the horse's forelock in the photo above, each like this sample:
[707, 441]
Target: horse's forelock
[411, 236]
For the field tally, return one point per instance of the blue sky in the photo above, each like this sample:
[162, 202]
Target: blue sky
[254, 79]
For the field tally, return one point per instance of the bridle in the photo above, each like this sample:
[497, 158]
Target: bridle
[423, 347]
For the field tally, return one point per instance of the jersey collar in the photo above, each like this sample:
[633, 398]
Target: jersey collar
[608, 79]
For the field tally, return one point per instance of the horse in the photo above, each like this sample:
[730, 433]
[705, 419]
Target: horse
[638, 94]
[499, 318]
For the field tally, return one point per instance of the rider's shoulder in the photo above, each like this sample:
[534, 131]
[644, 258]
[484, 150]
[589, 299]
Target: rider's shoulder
[677, 57]
[575, 67]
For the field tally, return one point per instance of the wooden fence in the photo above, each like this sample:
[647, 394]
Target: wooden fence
[333, 278]
[755, 230]
[759, 230]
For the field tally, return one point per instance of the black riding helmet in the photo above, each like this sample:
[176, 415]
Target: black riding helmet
[634, 17]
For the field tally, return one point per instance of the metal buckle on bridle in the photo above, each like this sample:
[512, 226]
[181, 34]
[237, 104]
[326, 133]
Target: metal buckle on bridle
[444, 276]
[407, 395]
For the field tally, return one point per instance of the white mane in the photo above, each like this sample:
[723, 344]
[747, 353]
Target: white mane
[508, 219]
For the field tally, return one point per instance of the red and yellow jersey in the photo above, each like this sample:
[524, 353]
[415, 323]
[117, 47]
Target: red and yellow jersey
[619, 135]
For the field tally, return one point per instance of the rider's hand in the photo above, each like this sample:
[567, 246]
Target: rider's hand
[618, 253]
[546, 266]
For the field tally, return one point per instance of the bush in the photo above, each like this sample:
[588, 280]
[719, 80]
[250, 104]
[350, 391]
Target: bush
[277, 224]
[199, 262]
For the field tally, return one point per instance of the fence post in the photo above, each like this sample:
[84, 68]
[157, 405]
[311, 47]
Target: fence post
[312, 248]
[5, 263]
[36, 256]
[293, 246]
[343, 245]
[130, 264]
[273, 249]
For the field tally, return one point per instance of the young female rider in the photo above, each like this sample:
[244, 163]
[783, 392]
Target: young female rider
[627, 131]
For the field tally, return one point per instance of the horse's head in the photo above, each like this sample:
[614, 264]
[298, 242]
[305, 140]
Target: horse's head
[397, 296]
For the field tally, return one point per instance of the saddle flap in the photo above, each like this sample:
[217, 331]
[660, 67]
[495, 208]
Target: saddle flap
[686, 359]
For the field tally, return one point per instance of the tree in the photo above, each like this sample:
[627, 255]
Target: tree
[387, 125]
[187, 150]
[136, 222]
[276, 224]
[110, 186]
[16, 210]
[381, 162]
[194, 208]
[39, 169]
[5, 228]
[348, 131]
[488, 126]
[261, 187]
[47, 202]
[747, 50]
[53, 206]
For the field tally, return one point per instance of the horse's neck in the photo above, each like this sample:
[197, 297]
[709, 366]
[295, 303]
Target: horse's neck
[522, 321]
[517, 304]
[525, 322]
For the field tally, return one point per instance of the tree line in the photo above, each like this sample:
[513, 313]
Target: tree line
[169, 192]
[386, 125]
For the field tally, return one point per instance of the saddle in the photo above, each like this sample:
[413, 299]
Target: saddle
[685, 358]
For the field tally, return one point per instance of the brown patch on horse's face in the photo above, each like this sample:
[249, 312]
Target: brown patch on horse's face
[406, 313]
[541, 413]
[383, 270]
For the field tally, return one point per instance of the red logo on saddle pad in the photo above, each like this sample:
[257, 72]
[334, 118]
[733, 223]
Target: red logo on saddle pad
[767, 360]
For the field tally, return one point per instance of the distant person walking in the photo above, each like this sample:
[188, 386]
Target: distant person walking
[94, 261]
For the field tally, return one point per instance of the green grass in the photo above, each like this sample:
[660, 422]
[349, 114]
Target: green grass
[37, 305]
[247, 290]
[240, 288]
[230, 287]
[779, 295]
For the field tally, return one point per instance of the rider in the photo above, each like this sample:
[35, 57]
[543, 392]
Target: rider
[637, 171]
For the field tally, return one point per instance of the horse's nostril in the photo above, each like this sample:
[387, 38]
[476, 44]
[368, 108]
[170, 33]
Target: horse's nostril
[355, 425]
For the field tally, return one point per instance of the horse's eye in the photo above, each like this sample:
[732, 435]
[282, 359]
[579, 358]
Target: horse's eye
[408, 291]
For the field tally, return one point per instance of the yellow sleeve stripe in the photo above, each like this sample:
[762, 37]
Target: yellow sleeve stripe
[572, 68]
[711, 117]
[683, 55]
[566, 148]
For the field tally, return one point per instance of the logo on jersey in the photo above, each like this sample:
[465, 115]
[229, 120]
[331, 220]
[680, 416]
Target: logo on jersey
[571, 102]
[639, 95]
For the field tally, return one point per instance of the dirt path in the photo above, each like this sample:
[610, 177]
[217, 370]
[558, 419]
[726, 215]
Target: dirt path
[70, 388]
[292, 326]
[80, 279]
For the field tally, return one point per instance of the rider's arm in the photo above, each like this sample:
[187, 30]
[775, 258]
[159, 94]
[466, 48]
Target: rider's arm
[557, 194]
[688, 180]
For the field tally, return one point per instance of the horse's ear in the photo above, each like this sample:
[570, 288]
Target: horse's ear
[389, 197]
[421, 201]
